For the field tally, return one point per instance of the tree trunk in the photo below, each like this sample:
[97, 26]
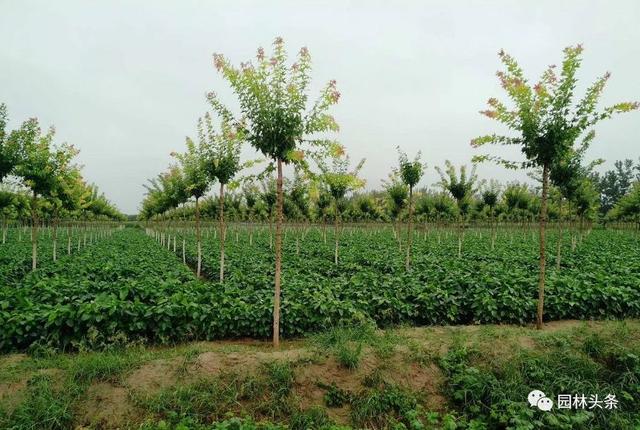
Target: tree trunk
[271, 230]
[581, 228]
[276, 295]
[409, 229]
[460, 236]
[324, 229]
[68, 239]
[336, 234]
[198, 239]
[34, 234]
[396, 232]
[560, 236]
[222, 232]
[493, 230]
[55, 238]
[543, 222]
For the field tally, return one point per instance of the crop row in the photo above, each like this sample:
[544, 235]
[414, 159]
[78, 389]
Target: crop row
[16, 251]
[599, 277]
[128, 286]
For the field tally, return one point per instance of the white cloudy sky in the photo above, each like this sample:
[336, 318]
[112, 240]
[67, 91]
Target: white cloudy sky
[125, 80]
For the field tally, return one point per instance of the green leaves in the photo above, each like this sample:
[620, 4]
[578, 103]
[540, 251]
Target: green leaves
[410, 171]
[194, 165]
[130, 287]
[222, 148]
[8, 147]
[545, 116]
[461, 187]
[339, 177]
[273, 101]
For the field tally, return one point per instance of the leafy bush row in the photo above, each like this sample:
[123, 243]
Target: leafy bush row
[128, 288]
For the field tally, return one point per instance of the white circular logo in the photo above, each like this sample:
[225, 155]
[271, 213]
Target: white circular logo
[538, 399]
[534, 396]
[545, 404]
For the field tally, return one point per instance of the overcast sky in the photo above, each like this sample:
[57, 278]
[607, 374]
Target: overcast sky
[125, 81]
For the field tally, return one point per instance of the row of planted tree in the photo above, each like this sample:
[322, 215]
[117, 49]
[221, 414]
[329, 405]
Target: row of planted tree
[512, 202]
[177, 236]
[64, 236]
[41, 183]
[552, 129]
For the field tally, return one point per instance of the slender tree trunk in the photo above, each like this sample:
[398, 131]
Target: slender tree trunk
[68, 239]
[543, 222]
[276, 296]
[34, 233]
[55, 237]
[336, 234]
[581, 228]
[396, 232]
[324, 229]
[270, 230]
[222, 232]
[560, 235]
[460, 236]
[493, 230]
[198, 238]
[409, 229]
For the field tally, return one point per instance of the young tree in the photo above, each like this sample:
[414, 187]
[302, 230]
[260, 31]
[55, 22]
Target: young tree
[8, 161]
[251, 194]
[410, 172]
[224, 159]
[548, 123]
[323, 203]
[461, 187]
[397, 194]
[194, 164]
[628, 207]
[615, 183]
[7, 202]
[61, 194]
[9, 150]
[571, 178]
[299, 195]
[339, 180]
[273, 100]
[566, 177]
[490, 195]
[39, 165]
[164, 192]
[586, 202]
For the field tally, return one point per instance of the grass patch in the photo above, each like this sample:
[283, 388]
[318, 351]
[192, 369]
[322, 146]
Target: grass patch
[44, 407]
[347, 343]
[105, 366]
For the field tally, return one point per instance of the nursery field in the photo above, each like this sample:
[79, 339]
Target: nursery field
[127, 287]
[15, 251]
